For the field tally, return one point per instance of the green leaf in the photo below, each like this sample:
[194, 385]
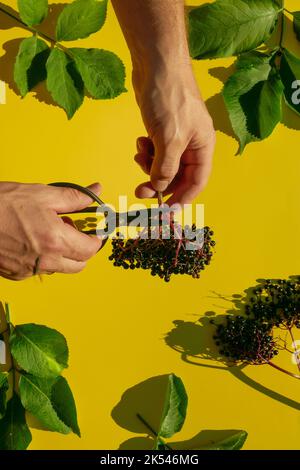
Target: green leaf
[39, 350]
[64, 82]
[160, 445]
[80, 19]
[102, 71]
[175, 406]
[36, 398]
[296, 22]
[234, 442]
[290, 76]
[30, 65]
[252, 97]
[4, 386]
[14, 432]
[229, 27]
[252, 59]
[33, 12]
[64, 404]
[262, 106]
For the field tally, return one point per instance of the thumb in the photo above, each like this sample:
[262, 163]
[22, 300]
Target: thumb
[165, 165]
[70, 200]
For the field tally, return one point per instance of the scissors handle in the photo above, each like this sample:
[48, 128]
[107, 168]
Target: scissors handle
[82, 189]
[122, 219]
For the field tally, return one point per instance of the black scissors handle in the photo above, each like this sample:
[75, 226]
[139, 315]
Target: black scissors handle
[83, 190]
[122, 219]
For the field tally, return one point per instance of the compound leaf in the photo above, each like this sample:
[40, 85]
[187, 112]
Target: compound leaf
[229, 27]
[102, 71]
[290, 76]
[64, 82]
[39, 350]
[252, 97]
[175, 407]
[80, 19]
[296, 23]
[33, 12]
[30, 65]
[14, 432]
[36, 397]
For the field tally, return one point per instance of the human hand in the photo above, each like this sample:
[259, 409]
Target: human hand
[30, 228]
[178, 152]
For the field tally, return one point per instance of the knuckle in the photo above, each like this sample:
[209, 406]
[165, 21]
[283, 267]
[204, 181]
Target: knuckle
[164, 172]
[51, 242]
[71, 194]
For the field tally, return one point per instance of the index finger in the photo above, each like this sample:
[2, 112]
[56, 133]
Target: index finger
[194, 176]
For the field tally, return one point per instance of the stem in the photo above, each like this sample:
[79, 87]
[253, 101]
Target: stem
[7, 314]
[160, 198]
[278, 367]
[12, 370]
[295, 348]
[149, 427]
[32, 30]
[282, 31]
[283, 370]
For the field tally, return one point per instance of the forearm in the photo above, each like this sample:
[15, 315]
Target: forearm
[155, 32]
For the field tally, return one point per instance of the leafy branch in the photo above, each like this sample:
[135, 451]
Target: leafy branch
[173, 418]
[33, 383]
[69, 72]
[264, 73]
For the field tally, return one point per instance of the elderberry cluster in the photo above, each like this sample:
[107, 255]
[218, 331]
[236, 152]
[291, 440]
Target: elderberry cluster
[250, 338]
[164, 257]
[276, 302]
[245, 340]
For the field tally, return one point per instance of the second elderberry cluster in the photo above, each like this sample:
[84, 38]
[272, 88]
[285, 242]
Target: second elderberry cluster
[250, 338]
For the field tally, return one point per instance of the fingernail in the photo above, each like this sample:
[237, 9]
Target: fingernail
[160, 185]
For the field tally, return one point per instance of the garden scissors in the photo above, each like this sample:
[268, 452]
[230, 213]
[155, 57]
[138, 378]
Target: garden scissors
[121, 219]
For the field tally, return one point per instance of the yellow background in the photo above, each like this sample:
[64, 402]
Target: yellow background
[115, 321]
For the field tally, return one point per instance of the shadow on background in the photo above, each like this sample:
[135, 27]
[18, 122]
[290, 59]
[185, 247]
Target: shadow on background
[147, 399]
[194, 342]
[11, 48]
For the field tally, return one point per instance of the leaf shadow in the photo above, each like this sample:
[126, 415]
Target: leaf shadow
[5, 21]
[147, 399]
[194, 342]
[11, 47]
[215, 104]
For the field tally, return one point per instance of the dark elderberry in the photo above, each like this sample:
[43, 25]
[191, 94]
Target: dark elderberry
[164, 257]
[251, 338]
